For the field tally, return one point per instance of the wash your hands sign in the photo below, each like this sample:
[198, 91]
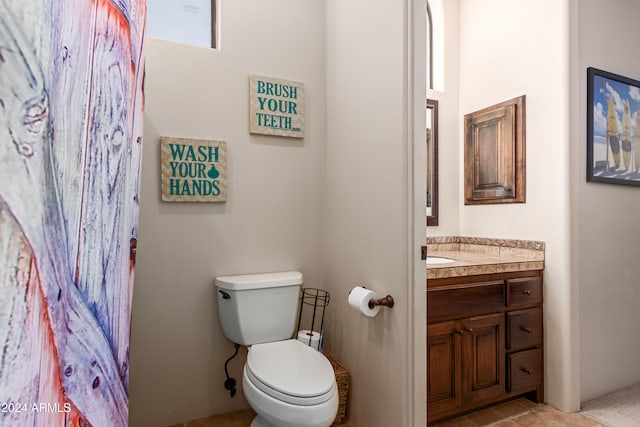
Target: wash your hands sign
[193, 170]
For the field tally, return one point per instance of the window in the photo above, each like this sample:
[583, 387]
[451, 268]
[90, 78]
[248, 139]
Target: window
[435, 45]
[186, 21]
[429, 47]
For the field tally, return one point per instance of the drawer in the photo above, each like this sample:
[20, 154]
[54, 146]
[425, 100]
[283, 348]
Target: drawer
[524, 370]
[524, 328]
[524, 292]
[456, 301]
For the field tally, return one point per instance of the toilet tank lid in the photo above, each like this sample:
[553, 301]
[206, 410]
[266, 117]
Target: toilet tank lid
[246, 282]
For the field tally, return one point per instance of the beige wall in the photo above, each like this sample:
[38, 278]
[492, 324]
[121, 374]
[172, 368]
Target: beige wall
[607, 234]
[271, 221]
[508, 49]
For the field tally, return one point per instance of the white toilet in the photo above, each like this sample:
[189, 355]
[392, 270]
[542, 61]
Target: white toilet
[286, 382]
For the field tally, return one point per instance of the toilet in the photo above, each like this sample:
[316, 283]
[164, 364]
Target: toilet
[286, 382]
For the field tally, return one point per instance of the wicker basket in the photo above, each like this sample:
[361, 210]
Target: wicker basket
[342, 380]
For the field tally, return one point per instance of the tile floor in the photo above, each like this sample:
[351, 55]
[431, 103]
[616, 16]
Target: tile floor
[234, 419]
[520, 413]
[515, 413]
[618, 409]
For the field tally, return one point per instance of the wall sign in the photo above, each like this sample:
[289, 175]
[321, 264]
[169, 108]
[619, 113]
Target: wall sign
[276, 107]
[193, 170]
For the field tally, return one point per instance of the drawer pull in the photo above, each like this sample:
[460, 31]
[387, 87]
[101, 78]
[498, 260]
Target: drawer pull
[469, 330]
[526, 291]
[525, 370]
[528, 330]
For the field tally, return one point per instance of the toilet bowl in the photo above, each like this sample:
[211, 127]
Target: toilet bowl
[289, 384]
[286, 382]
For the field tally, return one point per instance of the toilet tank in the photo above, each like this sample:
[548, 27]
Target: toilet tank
[258, 308]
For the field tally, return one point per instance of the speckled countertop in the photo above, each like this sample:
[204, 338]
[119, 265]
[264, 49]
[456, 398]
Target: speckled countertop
[475, 255]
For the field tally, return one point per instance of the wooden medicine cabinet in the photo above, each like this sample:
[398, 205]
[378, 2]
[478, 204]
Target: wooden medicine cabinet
[494, 154]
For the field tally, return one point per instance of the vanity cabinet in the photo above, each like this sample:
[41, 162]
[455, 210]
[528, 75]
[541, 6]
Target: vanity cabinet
[484, 341]
[465, 362]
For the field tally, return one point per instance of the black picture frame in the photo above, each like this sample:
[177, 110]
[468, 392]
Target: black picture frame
[432, 164]
[613, 128]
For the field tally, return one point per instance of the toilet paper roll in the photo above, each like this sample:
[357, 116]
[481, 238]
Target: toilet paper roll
[359, 298]
[310, 338]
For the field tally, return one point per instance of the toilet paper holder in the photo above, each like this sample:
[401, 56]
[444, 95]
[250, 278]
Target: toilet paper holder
[386, 301]
[318, 299]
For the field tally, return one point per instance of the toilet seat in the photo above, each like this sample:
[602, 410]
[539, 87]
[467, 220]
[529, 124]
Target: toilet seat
[291, 372]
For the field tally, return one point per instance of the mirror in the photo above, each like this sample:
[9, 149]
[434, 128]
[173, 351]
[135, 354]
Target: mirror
[432, 162]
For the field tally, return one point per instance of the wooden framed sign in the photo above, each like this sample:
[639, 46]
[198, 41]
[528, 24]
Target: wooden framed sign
[193, 170]
[276, 107]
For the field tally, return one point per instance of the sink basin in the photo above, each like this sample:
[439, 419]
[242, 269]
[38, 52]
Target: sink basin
[435, 260]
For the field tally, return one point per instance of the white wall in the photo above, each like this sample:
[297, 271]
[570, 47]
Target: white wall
[508, 49]
[366, 221]
[271, 220]
[449, 176]
[608, 236]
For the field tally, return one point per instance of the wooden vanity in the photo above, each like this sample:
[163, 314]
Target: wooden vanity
[484, 327]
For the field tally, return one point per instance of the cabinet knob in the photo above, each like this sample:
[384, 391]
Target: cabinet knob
[528, 330]
[525, 370]
[469, 330]
[526, 292]
[459, 331]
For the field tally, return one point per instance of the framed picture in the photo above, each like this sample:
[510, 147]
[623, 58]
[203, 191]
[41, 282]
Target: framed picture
[613, 128]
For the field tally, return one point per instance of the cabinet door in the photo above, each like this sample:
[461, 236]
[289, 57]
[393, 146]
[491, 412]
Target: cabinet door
[444, 382]
[483, 357]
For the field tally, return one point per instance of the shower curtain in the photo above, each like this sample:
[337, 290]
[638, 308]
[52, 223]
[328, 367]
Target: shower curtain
[71, 100]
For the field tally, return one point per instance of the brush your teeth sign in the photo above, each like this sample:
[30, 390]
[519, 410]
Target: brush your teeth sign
[193, 170]
[276, 107]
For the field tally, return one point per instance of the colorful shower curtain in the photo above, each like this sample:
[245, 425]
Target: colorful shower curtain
[71, 100]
